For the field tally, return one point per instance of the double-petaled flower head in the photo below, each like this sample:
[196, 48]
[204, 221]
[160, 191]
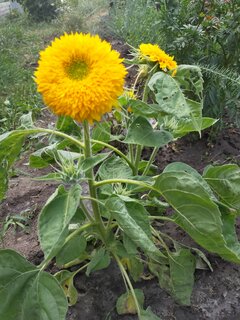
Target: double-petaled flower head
[152, 53]
[80, 76]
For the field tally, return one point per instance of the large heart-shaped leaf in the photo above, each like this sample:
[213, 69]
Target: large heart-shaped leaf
[197, 214]
[55, 218]
[26, 292]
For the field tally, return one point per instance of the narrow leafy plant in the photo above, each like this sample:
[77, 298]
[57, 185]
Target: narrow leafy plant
[81, 78]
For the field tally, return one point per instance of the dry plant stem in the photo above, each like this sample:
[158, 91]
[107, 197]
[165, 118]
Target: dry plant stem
[90, 176]
[126, 277]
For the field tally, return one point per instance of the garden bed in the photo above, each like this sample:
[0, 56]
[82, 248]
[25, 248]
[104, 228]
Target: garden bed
[216, 294]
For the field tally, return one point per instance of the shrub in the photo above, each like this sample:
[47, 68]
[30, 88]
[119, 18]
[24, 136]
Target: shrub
[196, 32]
[41, 10]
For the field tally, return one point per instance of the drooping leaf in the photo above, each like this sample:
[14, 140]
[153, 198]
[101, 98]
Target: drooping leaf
[26, 292]
[200, 256]
[196, 213]
[128, 221]
[141, 132]
[182, 266]
[178, 276]
[55, 217]
[126, 303]
[225, 181]
[71, 250]
[65, 278]
[100, 260]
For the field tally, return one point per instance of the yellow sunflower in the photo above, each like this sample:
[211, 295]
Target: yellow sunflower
[80, 76]
[152, 52]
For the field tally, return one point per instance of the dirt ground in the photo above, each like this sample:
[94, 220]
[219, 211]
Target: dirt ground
[216, 295]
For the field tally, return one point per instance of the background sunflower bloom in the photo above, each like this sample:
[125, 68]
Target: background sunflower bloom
[152, 52]
[80, 76]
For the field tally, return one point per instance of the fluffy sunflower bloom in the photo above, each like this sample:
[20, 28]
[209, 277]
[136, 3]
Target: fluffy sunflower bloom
[152, 52]
[80, 76]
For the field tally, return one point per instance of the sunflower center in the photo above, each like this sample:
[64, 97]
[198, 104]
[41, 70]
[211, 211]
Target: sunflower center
[77, 70]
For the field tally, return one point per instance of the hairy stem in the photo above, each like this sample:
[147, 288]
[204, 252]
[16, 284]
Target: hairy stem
[136, 182]
[90, 176]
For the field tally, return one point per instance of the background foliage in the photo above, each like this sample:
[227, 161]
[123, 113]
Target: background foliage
[195, 32]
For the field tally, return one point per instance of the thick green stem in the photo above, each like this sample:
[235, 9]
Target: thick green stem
[150, 161]
[90, 176]
[85, 211]
[136, 182]
[125, 275]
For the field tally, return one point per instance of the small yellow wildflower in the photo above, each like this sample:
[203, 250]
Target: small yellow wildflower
[80, 76]
[152, 52]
